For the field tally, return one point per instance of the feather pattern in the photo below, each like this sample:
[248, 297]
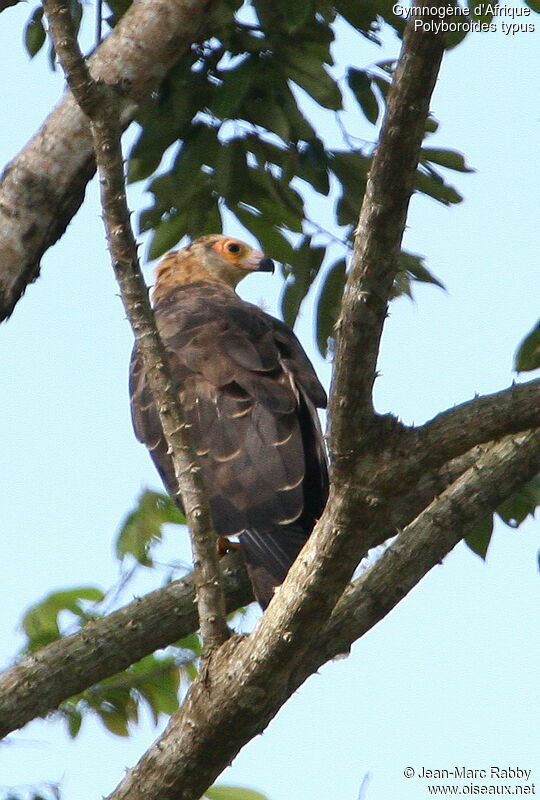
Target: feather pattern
[250, 396]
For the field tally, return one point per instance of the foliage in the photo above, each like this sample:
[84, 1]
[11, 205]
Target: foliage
[524, 502]
[157, 680]
[234, 129]
[41, 623]
[233, 793]
[527, 357]
[143, 527]
[512, 512]
[153, 681]
[231, 132]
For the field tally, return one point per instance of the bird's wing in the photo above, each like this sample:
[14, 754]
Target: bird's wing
[249, 395]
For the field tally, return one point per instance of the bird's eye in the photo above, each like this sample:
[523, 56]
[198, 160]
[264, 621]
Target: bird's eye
[232, 247]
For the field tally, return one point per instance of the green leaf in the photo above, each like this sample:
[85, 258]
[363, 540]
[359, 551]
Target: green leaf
[231, 171]
[167, 234]
[401, 286]
[115, 722]
[191, 642]
[143, 526]
[40, 623]
[157, 134]
[312, 166]
[360, 84]
[434, 186]
[300, 126]
[235, 86]
[329, 304]
[527, 357]
[74, 718]
[203, 214]
[161, 695]
[347, 211]
[157, 680]
[351, 169]
[432, 126]
[414, 266]
[450, 159]
[534, 5]
[453, 38]
[305, 266]
[308, 72]
[296, 14]
[34, 33]
[201, 148]
[280, 205]
[479, 538]
[233, 793]
[272, 241]
[271, 116]
[521, 503]
[361, 15]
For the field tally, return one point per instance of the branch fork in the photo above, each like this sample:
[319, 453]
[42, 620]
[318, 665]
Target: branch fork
[248, 679]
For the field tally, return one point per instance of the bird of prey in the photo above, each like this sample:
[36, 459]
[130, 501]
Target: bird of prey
[250, 395]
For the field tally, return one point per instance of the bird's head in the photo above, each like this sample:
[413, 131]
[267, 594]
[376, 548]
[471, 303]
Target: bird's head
[214, 258]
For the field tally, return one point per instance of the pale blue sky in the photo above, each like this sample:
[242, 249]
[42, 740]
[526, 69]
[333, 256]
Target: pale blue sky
[450, 677]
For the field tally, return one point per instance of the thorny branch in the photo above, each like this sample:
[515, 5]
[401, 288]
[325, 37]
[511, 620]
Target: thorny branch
[42, 188]
[249, 678]
[100, 102]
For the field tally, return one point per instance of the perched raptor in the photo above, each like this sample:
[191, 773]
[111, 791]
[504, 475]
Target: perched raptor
[250, 396]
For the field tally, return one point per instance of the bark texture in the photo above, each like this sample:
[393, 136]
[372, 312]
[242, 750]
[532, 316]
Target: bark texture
[379, 489]
[43, 187]
[100, 102]
[251, 677]
[41, 681]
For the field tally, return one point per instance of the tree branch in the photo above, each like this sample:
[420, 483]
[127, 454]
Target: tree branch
[216, 720]
[43, 187]
[483, 419]
[412, 452]
[68, 666]
[377, 243]
[424, 543]
[314, 583]
[248, 679]
[99, 102]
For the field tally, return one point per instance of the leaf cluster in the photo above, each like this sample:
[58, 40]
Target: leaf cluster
[153, 682]
[142, 528]
[156, 680]
[232, 131]
[235, 130]
[524, 502]
[512, 512]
